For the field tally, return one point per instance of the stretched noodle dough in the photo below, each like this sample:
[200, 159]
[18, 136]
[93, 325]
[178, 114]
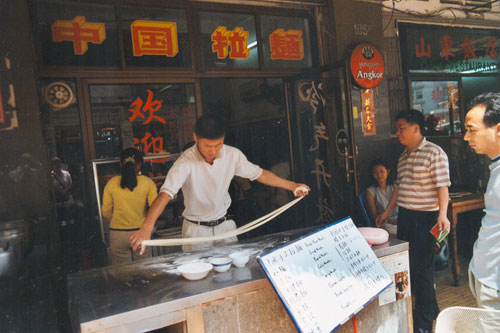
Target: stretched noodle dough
[245, 228]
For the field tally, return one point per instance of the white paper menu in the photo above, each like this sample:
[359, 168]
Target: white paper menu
[325, 277]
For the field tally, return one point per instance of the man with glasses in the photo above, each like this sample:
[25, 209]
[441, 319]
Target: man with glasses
[421, 192]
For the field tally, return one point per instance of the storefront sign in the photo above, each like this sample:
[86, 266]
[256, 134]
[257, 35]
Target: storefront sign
[367, 66]
[79, 32]
[154, 38]
[286, 45]
[237, 39]
[440, 49]
[368, 113]
[177, 122]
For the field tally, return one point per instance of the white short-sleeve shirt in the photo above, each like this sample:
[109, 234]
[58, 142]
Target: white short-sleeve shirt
[204, 186]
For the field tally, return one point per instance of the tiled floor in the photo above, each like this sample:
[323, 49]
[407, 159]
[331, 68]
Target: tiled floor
[447, 294]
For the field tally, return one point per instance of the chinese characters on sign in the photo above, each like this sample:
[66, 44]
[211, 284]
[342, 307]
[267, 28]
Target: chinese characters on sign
[436, 48]
[161, 38]
[145, 111]
[325, 277]
[154, 38]
[286, 45]
[312, 93]
[139, 108]
[468, 48]
[368, 113]
[79, 32]
[237, 39]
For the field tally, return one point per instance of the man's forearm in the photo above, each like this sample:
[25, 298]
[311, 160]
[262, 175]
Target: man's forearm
[270, 179]
[443, 199]
[155, 211]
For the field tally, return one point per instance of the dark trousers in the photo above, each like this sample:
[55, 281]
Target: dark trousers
[414, 227]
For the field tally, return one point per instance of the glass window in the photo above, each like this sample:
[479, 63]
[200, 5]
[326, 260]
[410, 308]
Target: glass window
[155, 118]
[286, 41]
[477, 85]
[257, 125]
[75, 33]
[228, 40]
[159, 36]
[439, 102]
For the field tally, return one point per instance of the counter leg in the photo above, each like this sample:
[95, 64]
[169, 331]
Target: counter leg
[455, 266]
[194, 320]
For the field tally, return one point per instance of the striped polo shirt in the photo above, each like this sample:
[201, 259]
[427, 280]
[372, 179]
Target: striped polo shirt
[420, 174]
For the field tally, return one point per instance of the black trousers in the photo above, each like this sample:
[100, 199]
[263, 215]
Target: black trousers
[414, 227]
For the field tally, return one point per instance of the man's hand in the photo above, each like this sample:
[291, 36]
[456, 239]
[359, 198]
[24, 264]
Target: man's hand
[137, 238]
[301, 190]
[443, 222]
[147, 226]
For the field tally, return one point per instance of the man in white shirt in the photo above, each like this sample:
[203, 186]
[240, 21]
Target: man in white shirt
[483, 134]
[204, 173]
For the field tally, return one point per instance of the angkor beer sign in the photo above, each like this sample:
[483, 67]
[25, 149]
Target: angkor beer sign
[367, 66]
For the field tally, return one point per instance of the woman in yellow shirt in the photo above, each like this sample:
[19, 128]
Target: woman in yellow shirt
[125, 202]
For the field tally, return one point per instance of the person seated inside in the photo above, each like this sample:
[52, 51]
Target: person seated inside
[61, 186]
[379, 194]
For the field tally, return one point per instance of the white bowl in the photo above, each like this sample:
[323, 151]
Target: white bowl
[195, 270]
[239, 258]
[221, 264]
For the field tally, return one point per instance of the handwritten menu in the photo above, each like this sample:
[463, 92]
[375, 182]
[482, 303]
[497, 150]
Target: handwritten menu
[326, 277]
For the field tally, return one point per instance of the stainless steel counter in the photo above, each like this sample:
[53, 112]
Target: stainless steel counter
[149, 289]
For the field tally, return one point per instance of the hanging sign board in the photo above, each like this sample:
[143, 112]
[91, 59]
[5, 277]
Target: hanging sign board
[368, 113]
[326, 277]
[367, 66]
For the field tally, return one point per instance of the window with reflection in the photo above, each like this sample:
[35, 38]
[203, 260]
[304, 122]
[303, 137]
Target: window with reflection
[286, 41]
[155, 36]
[155, 118]
[228, 40]
[76, 33]
[439, 102]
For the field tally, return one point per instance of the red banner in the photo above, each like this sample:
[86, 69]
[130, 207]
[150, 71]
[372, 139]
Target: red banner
[368, 113]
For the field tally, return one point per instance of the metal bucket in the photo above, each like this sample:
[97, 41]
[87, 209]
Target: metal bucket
[11, 251]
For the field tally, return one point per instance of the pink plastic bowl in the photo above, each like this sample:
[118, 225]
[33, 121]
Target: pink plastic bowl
[374, 235]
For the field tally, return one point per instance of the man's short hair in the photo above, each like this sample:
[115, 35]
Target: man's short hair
[210, 126]
[491, 102]
[413, 117]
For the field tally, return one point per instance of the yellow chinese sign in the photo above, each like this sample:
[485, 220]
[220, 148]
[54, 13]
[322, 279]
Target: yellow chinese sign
[237, 39]
[154, 38]
[286, 45]
[79, 32]
[368, 113]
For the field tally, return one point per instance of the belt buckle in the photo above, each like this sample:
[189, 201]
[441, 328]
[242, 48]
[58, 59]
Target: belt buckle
[212, 223]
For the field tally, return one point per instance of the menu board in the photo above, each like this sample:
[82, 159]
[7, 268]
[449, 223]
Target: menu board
[325, 277]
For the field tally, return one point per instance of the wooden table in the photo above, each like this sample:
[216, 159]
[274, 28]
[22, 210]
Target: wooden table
[455, 207]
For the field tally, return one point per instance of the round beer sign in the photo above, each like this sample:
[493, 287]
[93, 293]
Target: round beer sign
[367, 66]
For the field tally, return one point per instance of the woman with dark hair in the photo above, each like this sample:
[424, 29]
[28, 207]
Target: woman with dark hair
[379, 194]
[125, 202]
